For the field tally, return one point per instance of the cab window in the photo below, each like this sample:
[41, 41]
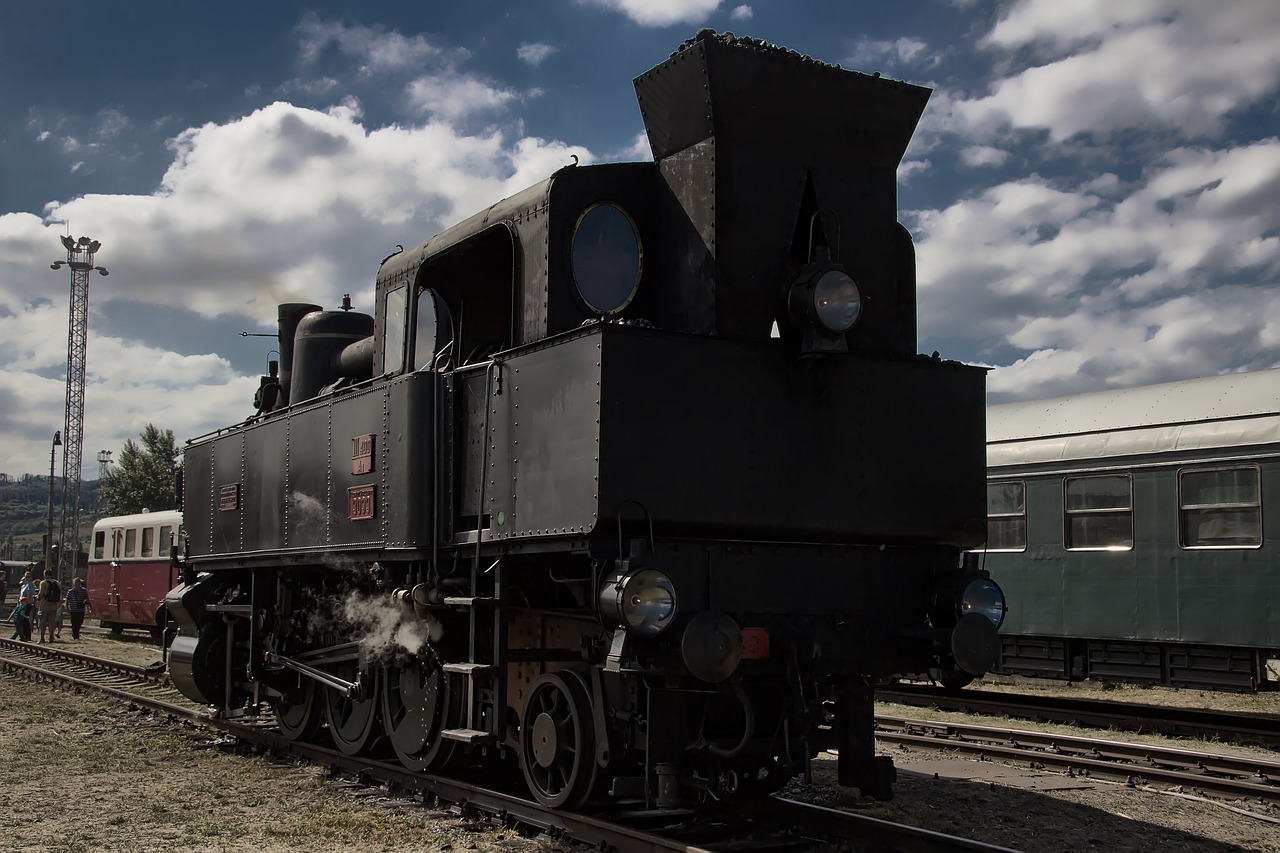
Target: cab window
[393, 329]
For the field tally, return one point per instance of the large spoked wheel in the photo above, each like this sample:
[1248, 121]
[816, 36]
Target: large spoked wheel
[298, 712]
[557, 741]
[351, 721]
[417, 704]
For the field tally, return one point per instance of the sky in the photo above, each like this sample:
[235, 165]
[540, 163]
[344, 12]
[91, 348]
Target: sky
[1093, 189]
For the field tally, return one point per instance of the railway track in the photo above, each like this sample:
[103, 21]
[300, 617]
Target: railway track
[770, 824]
[1261, 730]
[1137, 764]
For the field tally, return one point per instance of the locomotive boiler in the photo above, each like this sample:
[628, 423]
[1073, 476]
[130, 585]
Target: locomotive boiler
[634, 479]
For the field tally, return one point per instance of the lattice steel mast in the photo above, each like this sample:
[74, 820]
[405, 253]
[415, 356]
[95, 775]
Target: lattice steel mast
[80, 254]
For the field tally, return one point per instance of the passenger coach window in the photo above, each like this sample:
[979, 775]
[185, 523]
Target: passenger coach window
[99, 543]
[166, 540]
[148, 542]
[1006, 516]
[1220, 508]
[393, 330]
[130, 542]
[1099, 512]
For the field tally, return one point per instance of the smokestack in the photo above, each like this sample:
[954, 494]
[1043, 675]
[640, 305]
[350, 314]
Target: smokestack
[289, 314]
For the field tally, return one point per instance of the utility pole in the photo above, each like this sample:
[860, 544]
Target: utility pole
[80, 254]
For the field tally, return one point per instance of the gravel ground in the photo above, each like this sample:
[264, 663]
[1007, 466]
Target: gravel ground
[123, 780]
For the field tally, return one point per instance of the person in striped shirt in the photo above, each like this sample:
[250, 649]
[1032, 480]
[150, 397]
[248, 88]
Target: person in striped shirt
[77, 606]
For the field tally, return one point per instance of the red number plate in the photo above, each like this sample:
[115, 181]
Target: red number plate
[360, 503]
[755, 643]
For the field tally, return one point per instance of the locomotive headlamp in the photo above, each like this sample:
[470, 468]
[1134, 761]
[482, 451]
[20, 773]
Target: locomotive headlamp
[985, 597]
[837, 301]
[643, 602]
[825, 302]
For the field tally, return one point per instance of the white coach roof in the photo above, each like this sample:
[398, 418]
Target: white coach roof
[1195, 414]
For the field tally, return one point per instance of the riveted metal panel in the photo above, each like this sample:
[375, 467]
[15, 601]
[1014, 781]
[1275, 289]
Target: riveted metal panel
[770, 445]
[357, 417]
[545, 439]
[406, 479]
[264, 496]
[309, 499]
[199, 497]
[228, 492]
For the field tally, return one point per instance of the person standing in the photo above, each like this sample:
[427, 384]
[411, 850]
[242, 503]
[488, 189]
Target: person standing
[49, 601]
[77, 605]
[28, 588]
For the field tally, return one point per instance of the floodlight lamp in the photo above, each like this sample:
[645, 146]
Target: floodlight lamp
[69, 243]
[102, 270]
[95, 246]
[56, 266]
[83, 241]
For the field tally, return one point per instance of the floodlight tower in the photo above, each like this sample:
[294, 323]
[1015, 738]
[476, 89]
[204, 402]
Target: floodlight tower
[104, 464]
[80, 255]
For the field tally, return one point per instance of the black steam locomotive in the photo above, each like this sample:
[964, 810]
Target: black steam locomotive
[635, 477]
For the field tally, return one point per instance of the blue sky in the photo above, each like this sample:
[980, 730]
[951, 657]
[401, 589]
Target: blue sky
[1093, 189]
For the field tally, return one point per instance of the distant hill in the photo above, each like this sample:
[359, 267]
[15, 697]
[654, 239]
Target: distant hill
[24, 510]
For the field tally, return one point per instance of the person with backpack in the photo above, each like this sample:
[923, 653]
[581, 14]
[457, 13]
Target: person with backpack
[49, 605]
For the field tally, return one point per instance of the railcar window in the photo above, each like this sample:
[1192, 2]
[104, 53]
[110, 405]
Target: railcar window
[99, 543]
[1220, 507]
[131, 542]
[166, 540]
[607, 259]
[1007, 516]
[148, 542]
[1099, 512]
[393, 330]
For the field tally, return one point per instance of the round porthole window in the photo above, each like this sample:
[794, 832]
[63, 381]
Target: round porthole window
[606, 258]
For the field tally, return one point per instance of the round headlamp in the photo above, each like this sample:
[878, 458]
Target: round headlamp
[837, 301]
[985, 597]
[643, 602]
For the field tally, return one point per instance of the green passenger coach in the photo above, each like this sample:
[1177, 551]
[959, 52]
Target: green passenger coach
[1136, 533]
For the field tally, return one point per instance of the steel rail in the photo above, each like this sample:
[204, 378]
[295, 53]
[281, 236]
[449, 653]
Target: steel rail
[1111, 759]
[1259, 729]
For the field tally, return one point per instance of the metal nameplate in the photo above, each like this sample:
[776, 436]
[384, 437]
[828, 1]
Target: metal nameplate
[229, 497]
[362, 454]
[361, 502]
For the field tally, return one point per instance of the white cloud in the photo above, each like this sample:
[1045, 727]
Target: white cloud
[1104, 67]
[741, 13]
[983, 155]
[660, 13]
[283, 204]
[1103, 283]
[871, 53]
[376, 50]
[535, 53]
[452, 96]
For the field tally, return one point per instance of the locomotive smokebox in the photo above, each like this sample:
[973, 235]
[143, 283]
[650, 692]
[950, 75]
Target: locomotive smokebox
[776, 159]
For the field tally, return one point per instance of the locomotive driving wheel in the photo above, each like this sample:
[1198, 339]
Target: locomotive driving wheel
[298, 712]
[557, 741]
[351, 721]
[418, 702]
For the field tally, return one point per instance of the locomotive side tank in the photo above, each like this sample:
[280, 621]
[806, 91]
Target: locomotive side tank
[638, 480]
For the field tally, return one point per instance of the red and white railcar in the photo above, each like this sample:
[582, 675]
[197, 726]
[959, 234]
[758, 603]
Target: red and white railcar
[130, 570]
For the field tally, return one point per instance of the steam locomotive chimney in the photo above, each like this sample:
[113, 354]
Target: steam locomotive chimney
[753, 141]
[289, 314]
